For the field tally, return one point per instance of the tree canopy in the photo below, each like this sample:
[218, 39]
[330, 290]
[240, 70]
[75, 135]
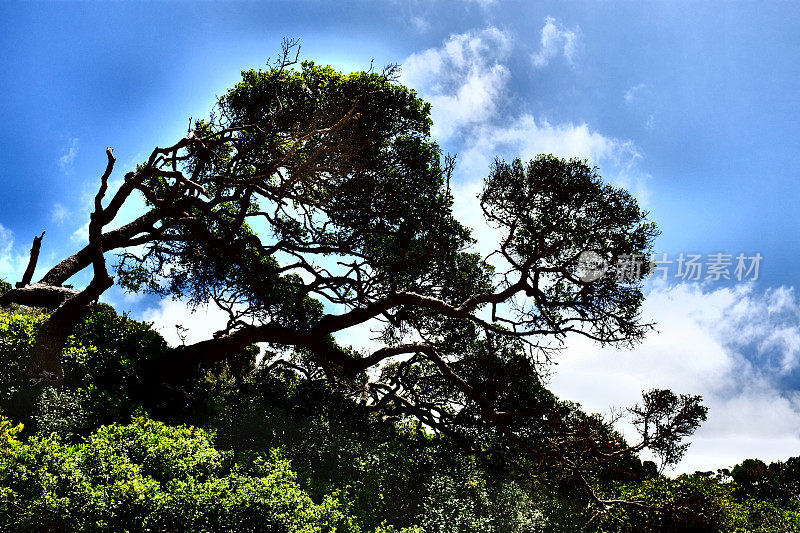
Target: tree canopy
[313, 201]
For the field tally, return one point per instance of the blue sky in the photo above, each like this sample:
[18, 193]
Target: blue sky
[690, 105]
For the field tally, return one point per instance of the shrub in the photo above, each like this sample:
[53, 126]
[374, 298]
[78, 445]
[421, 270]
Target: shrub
[147, 476]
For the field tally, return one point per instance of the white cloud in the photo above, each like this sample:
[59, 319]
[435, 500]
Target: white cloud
[68, 155]
[483, 3]
[730, 345]
[12, 263]
[526, 137]
[555, 39]
[81, 234]
[200, 324]
[362, 337]
[59, 213]
[420, 24]
[463, 80]
[631, 93]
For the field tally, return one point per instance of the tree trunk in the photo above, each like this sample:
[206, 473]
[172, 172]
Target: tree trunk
[44, 365]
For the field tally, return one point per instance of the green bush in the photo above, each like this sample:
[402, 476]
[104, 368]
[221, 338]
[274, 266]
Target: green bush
[147, 476]
[17, 334]
[111, 366]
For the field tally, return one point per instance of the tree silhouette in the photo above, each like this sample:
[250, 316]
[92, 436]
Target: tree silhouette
[313, 201]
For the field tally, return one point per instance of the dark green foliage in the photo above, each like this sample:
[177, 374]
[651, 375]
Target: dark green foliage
[313, 201]
[333, 443]
[116, 360]
[695, 503]
[4, 287]
[372, 185]
[111, 366]
[549, 211]
[779, 481]
[386, 473]
[664, 419]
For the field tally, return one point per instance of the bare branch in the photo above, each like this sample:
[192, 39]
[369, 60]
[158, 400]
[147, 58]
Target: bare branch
[37, 245]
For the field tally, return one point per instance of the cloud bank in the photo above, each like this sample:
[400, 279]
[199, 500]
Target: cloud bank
[732, 345]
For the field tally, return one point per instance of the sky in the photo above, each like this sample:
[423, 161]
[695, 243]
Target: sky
[689, 105]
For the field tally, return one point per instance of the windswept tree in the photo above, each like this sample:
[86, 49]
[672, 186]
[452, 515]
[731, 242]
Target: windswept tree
[312, 201]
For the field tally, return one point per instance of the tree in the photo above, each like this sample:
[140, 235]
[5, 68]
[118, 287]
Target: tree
[312, 201]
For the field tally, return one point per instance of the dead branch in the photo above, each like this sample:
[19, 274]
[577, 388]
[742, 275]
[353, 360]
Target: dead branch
[28, 276]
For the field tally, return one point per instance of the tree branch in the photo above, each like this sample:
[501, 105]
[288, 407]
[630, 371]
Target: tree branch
[28, 276]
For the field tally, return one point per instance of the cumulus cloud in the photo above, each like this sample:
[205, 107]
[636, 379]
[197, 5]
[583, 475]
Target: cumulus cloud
[463, 80]
[68, 155]
[526, 137]
[731, 345]
[555, 40]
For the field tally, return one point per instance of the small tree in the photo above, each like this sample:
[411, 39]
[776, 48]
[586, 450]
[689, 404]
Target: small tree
[312, 201]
